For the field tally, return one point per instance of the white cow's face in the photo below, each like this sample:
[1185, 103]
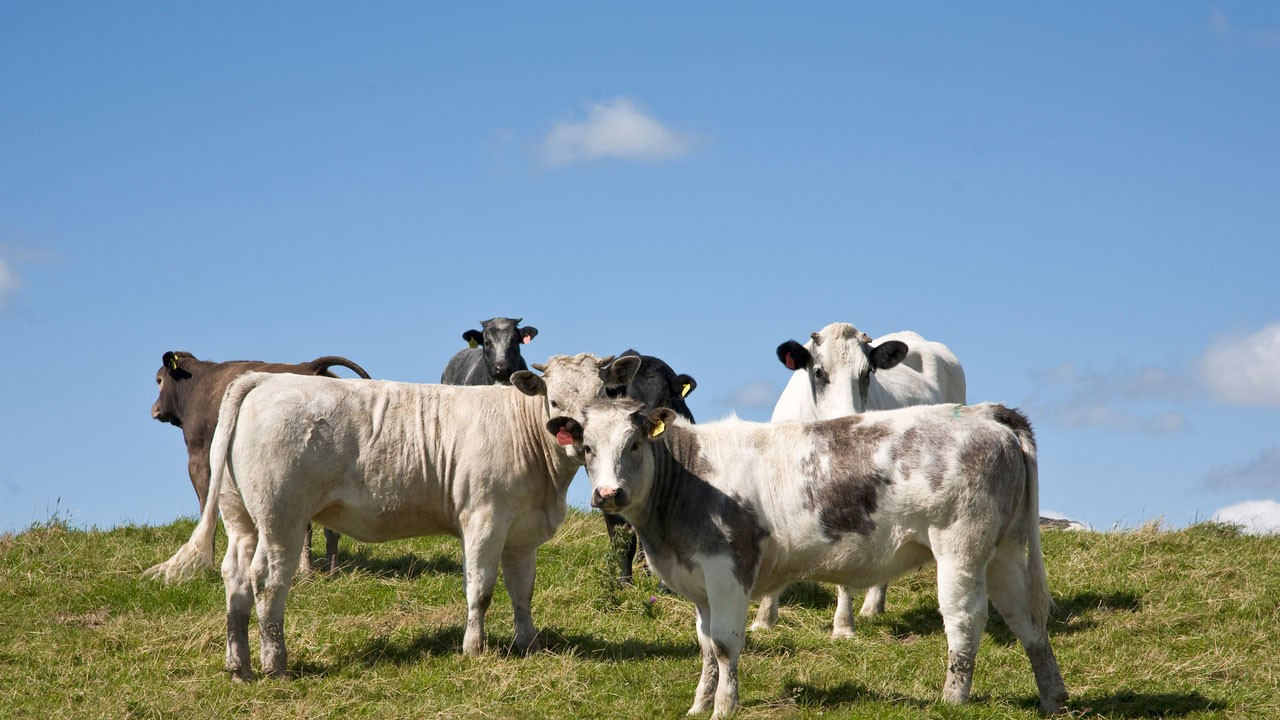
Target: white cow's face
[840, 361]
[614, 444]
[570, 382]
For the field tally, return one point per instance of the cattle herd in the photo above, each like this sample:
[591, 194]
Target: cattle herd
[871, 466]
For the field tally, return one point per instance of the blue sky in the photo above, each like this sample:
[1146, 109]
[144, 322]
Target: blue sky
[1081, 201]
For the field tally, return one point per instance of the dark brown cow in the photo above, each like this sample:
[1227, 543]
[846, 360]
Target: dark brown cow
[190, 394]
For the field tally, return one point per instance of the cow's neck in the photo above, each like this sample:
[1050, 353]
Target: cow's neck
[677, 496]
[534, 417]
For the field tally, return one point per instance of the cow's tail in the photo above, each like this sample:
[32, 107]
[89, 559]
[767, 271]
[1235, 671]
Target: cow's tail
[197, 553]
[1037, 583]
[322, 364]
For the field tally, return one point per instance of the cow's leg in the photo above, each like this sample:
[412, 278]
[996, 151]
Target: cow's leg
[728, 601]
[331, 538]
[1010, 593]
[705, 695]
[518, 571]
[242, 539]
[767, 615]
[482, 540]
[626, 554]
[275, 562]
[304, 558]
[873, 604]
[962, 600]
[842, 624]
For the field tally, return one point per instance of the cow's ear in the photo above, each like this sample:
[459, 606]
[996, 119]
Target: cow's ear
[173, 361]
[656, 422]
[620, 371]
[567, 430]
[473, 337]
[794, 355]
[527, 334]
[687, 384]
[528, 383]
[887, 354]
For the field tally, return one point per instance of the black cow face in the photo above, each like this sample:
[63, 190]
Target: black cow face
[501, 339]
[166, 408]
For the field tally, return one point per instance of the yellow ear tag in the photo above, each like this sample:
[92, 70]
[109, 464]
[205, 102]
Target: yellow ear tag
[658, 429]
[472, 344]
[684, 391]
[173, 363]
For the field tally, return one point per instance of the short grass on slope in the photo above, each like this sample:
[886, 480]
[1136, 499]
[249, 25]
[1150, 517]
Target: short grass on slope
[1149, 624]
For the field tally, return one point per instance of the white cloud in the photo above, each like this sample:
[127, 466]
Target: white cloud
[1078, 398]
[1245, 370]
[757, 395]
[1261, 473]
[616, 129]
[1257, 517]
[1097, 414]
[9, 283]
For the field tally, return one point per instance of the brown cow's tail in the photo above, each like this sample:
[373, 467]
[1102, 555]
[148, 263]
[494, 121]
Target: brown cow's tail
[322, 364]
[197, 553]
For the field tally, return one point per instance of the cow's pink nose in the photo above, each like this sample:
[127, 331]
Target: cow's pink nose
[609, 498]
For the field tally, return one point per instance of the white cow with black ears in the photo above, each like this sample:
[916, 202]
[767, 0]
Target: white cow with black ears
[840, 372]
[731, 510]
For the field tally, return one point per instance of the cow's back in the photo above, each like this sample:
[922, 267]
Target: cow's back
[382, 460]
[929, 374]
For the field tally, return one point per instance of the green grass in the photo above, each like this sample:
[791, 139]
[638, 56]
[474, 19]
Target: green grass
[1149, 623]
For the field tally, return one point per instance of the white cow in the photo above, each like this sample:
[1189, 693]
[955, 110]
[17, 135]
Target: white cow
[845, 374]
[730, 510]
[381, 461]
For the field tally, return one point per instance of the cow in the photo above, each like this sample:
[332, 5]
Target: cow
[731, 509]
[654, 385]
[379, 461]
[492, 355]
[844, 373]
[191, 391]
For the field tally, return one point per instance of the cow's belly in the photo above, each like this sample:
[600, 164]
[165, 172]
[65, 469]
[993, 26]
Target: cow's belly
[853, 559]
[383, 524]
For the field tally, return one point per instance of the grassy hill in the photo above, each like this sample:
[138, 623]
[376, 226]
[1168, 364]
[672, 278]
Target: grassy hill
[1149, 623]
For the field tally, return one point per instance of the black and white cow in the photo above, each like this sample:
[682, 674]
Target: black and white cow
[492, 355]
[654, 385]
[380, 461]
[839, 372]
[730, 510]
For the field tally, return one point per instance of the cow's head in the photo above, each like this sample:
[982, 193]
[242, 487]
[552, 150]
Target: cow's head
[614, 444]
[570, 382]
[656, 385]
[840, 361]
[174, 369]
[501, 339]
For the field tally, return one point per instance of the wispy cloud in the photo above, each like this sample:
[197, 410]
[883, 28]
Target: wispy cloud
[1077, 398]
[9, 283]
[1261, 473]
[1245, 370]
[1257, 517]
[1229, 35]
[756, 395]
[616, 129]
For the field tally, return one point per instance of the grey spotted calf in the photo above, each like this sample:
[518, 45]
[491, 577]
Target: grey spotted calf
[731, 510]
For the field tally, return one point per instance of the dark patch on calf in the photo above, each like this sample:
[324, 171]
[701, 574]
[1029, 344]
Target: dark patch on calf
[845, 493]
[687, 516]
[921, 448]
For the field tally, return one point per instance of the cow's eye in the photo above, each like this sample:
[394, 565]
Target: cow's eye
[157, 381]
[586, 449]
[821, 376]
[555, 404]
[614, 392]
[635, 446]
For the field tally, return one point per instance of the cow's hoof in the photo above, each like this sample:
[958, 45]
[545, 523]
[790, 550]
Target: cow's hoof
[841, 633]
[759, 626]
[240, 675]
[1055, 704]
[528, 646]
